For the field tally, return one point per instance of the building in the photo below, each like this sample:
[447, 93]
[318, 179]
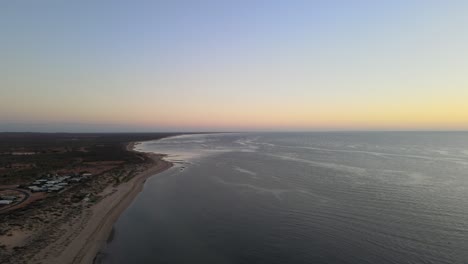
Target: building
[5, 202]
[8, 197]
[36, 189]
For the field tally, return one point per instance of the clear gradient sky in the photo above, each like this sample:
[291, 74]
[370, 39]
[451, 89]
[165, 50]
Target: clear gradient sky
[98, 65]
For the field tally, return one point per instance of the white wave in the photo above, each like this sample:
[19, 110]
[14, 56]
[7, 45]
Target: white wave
[335, 166]
[266, 144]
[449, 158]
[239, 169]
[275, 192]
[404, 177]
[441, 152]
[247, 142]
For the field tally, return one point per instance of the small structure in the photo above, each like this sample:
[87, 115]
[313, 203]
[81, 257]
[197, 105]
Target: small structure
[8, 197]
[36, 189]
[5, 202]
[75, 180]
[64, 178]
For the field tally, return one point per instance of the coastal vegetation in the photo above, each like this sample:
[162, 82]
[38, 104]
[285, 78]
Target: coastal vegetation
[90, 167]
[27, 156]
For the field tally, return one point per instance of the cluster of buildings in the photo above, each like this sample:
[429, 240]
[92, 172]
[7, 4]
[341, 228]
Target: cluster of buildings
[57, 183]
[50, 183]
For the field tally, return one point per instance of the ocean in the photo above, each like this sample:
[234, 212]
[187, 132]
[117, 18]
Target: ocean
[335, 197]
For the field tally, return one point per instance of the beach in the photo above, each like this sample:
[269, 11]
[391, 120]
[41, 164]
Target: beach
[80, 239]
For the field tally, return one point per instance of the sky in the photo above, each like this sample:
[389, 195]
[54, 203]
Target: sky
[244, 65]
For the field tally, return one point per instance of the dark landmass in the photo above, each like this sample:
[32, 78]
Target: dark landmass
[26, 156]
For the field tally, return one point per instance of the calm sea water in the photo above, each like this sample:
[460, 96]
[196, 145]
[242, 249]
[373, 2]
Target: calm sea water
[399, 197]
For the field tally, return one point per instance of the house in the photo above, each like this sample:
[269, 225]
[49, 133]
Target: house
[36, 189]
[8, 197]
[5, 202]
[75, 180]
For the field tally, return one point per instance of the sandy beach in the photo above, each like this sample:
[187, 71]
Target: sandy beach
[81, 240]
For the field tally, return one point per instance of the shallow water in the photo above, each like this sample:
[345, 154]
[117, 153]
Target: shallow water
[379, 197]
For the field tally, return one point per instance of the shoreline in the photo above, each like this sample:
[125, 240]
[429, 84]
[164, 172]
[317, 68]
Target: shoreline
[86, 238]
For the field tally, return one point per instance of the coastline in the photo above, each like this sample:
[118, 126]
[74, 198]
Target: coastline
[83, 239]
